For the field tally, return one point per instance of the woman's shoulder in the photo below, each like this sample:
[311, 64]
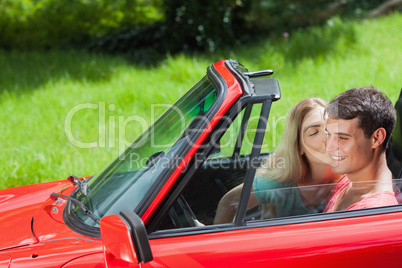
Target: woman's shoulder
[285, 196]
[262, 183]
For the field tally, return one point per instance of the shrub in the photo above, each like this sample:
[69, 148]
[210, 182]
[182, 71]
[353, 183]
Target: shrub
[145, 30]
[209, 25]
[27, 24]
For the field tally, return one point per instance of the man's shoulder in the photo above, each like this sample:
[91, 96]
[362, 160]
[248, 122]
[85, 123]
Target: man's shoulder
[380, 199]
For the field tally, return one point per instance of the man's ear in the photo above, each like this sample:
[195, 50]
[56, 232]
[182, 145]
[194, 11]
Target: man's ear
[378, 137]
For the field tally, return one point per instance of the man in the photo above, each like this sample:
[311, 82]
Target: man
[359, 125]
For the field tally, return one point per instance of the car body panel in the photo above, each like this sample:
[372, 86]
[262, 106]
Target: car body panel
[17, 207]
[370, 241]
[37, 233]
[48, 223]
[88, 261]
[55, 253]
[5, 261]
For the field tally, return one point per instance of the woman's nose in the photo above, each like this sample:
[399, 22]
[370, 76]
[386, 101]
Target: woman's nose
[324, 137]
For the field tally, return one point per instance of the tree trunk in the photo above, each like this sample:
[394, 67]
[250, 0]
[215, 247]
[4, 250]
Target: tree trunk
[319, 16]
[332, 9]
[385, 8]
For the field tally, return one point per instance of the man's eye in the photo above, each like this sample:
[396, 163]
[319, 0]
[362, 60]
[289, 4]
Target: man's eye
[343, 138]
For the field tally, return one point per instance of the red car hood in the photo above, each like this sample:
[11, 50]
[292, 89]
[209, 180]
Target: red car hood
[18, 206]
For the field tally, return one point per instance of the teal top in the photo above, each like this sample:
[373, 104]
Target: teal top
[284, 196]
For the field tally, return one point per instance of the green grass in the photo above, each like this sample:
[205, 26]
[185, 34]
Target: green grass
[39, 89]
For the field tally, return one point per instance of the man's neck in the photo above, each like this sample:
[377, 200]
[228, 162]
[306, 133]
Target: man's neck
[375, 176]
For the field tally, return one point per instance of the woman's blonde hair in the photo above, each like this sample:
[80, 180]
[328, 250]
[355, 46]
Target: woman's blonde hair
[295, 166]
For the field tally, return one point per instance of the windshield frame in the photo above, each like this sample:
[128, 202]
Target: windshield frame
[220, 86]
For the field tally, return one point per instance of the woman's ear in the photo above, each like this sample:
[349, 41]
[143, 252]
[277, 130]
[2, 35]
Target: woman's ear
[378, 137]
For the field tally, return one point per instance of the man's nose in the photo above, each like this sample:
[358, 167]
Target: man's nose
[331, 144]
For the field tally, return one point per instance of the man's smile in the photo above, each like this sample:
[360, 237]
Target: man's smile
[338, 158]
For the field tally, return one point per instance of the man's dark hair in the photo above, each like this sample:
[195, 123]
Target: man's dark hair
[371, 106]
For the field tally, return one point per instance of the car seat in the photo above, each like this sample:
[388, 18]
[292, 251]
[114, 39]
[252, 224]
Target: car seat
[394, 150]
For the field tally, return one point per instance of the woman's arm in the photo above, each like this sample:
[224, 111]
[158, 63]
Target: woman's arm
[228, 205]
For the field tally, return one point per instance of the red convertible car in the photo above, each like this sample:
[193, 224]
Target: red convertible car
[154, 206]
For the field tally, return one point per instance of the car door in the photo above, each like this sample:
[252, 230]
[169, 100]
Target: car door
[369, 238]
[360, 238]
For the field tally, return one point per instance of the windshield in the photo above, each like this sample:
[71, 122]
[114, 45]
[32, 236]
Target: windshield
[124, 183]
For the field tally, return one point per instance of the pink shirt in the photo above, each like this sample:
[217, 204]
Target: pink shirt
[380, 199]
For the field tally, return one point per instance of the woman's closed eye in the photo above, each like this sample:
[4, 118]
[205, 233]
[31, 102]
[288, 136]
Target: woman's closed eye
[313, 133]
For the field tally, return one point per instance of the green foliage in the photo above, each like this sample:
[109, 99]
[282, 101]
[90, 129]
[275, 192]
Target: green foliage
[289, 15]
[211, 25]
[38, 89]
[205, 25]
[145, 30]
[335, 37]
[188, 26]
[13, 21]
[28, 24]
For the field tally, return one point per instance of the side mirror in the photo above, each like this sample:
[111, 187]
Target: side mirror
[124, 239]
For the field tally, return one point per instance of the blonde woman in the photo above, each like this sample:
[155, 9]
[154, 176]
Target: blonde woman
[288, 181]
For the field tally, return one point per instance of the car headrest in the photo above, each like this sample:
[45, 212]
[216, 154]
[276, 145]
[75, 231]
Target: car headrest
[394, 154]
[397, 133]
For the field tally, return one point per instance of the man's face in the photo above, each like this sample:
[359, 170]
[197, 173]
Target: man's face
[350, 150]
